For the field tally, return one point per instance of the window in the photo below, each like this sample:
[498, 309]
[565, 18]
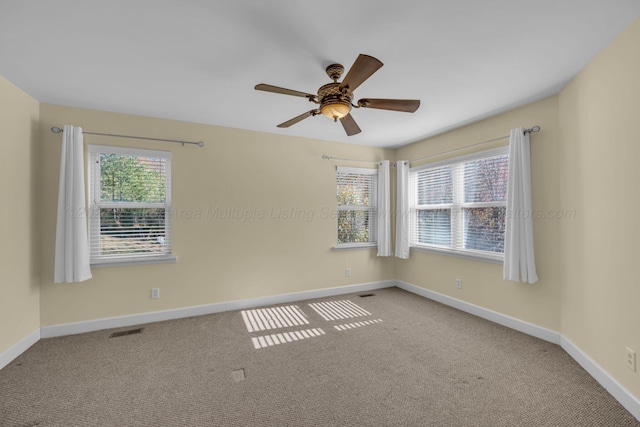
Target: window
[130, 205]
[459, 206]
[357, 191]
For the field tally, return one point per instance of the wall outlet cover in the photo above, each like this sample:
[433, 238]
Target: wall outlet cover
[631, 359]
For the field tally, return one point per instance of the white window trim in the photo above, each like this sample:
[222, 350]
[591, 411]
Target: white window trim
[458, 205]
[116, 261]
[466, 254]
[121, 262]
[352, 246]
[374, 209]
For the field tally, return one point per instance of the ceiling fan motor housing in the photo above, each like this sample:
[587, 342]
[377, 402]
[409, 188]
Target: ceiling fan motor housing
[334, 103]
[334, 71]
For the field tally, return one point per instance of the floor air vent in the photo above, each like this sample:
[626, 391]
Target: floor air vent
[367, 295]
[123, 333]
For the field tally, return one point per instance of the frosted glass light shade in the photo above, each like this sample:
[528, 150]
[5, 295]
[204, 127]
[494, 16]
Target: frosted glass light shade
[336, 110]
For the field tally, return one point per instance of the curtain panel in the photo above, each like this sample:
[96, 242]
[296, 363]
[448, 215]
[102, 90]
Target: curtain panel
[519, 259]
[72, 263]
[384, 210]
[402, 210]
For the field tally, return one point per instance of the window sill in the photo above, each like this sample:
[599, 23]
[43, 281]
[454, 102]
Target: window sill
[496, 259]
[353, 246]
[134, 261]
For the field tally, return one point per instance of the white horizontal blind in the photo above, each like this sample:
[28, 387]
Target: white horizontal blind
[357, 190]
[460, 205]
[434, 205]
[130, 199]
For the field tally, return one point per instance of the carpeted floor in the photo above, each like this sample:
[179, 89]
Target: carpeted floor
[392, 359]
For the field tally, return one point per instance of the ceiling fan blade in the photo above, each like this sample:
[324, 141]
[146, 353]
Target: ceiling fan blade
[360, 71]
[276, 89]
[298, 119]
[406, 105]
[350, 126]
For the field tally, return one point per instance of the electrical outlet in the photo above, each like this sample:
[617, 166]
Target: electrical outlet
[155, 293]
[631, 359]
[347, 272]
[459, 283]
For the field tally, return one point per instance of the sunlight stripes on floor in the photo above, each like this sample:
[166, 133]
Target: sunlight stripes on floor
[336, 310]
[262, 319]
[285, 337]
[354, 325]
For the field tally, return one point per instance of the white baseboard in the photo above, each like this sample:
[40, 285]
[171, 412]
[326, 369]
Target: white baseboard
[494, 316]
[617, 390]
[22, 346]
[621, 394]
[179, 313]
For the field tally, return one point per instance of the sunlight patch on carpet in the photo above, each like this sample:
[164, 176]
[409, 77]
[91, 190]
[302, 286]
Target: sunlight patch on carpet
[336, 310]
[291, 316]
[263, 319]
[285, 337]
[354, 325]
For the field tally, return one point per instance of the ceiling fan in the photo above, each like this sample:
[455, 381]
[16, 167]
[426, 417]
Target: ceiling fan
[335, 99]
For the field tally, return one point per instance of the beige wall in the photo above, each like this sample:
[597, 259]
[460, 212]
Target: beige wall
[599, 179]
[482, 282]
[218, 259]
[19, 290]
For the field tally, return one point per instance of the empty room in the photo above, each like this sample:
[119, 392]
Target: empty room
[284, 213]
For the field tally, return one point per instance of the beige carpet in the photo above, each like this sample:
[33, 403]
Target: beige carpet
[408, 362]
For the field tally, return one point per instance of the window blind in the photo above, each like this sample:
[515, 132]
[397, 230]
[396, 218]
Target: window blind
[356, 195]
[460, 205]
[130, 196]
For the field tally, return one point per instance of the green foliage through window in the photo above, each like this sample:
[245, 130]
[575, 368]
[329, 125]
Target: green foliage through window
[131, 178]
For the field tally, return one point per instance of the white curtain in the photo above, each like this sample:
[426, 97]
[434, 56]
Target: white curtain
[384, 210]
[72, 246]
[402, 210]
[519, 258]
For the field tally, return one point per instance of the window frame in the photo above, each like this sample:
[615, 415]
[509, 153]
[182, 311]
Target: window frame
[93, 153]
[457, 208]
[373, 210]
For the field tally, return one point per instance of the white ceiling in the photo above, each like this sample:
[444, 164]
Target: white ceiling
[199, 60]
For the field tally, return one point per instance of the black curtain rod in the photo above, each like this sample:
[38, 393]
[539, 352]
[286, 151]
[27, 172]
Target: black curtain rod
[56, 129]
[533, 129]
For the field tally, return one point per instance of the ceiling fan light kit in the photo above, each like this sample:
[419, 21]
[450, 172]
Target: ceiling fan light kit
[336, 99]
[334, 102]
